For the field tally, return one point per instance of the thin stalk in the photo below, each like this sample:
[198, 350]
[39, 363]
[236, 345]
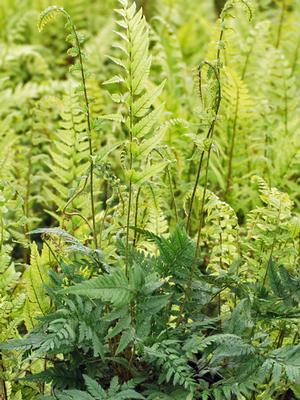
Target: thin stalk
[210, 130]
[52, 253]
[221, 245]
[102, 226]
[272, 248]
[127, 225]
[156, 205]
[247, 60]
[266, 154]
[74, 213]
[191, 166]
[136, 215]
[129, 203]
[280, 338]
[3, 383]
[89, 126]
[201, 223]
[170, 186]
[130, 189]
[286, 110]
[295, 338]
[26, 205]
[201, 213]
[294, 65]
[130, 185]
[28, 185]
[279, 33]
[1, 234]
[188, 221]
[4, 393]
[233, 136]
[172, 193]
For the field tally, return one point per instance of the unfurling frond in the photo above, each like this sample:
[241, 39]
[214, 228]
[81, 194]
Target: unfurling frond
[48, 15]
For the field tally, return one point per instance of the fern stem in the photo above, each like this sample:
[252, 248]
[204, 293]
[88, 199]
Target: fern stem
[188, 221]
[294, 65]
[280, 338]
[201, 212]
[172, 193]
[28, 184]
[89, 125]
[279, 33]
[52, 252]
[245, 67]
[27, 198]
[295, 338]
[130, 193]
[102, 227]
[286, 110]
[72, 29]
[201, 224]
[5, 397]
[211, 128]
[130, 150]
[231, 150]
[272, 248]
[1, 234]
[73, 213]
[170, 186]
[136, 216]
[3, 383]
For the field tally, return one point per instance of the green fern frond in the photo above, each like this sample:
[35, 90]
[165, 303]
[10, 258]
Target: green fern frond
[69, 153]
[35, 278]
[116, 391]
[112, 288]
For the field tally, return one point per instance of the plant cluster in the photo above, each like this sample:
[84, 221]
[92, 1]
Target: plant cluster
[149, 200]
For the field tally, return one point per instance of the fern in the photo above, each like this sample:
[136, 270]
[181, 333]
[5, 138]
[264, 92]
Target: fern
[35, 279]
[75, 51]
[48, 15]
[96, 392]
[113, 288]
[278, 208]
[141, 120]
[239, 109]
[68, 159]
[159, 185]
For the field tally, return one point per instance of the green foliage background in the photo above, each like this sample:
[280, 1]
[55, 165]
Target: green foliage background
[149, 199]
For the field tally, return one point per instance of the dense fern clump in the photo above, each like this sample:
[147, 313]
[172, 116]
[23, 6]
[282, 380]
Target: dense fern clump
[149, 200]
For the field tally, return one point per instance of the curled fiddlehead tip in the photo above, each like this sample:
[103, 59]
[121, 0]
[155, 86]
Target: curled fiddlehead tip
[48, 15]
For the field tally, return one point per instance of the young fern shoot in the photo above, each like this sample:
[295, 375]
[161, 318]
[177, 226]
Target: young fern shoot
[76, 51]
[214, 70]
[215, 67]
